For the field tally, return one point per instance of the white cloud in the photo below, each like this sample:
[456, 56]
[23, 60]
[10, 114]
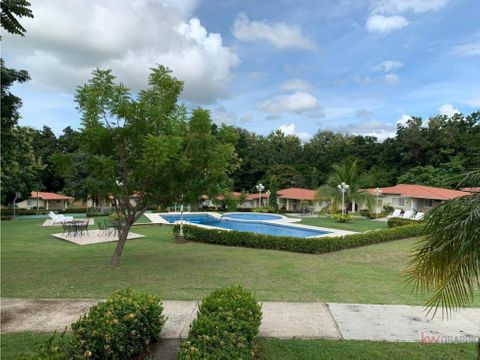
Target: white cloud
[298, 102]
[473, 102]
[290, 129]
[402, 6]
[278, 34]
[385, 24]
[388, 66]
[68, 39]
[448, 110]
[403, 120]
[391, 78]
[469, 49]
[220, 115]
[296, 85]
[388, 15]
[374, 128]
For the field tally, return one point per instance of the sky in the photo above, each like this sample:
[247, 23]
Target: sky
[353, 66]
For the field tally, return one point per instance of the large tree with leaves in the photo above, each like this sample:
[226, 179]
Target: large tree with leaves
[146, 144]
[11, 11]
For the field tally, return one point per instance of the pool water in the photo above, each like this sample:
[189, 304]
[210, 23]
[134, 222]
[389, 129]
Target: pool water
[252, 216]
[259, 227]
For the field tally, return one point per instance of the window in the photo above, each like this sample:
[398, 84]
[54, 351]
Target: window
[379, 203]
[398, 201]
[428, 202]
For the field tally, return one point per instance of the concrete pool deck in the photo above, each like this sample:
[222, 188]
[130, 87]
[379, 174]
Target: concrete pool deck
[282, 320]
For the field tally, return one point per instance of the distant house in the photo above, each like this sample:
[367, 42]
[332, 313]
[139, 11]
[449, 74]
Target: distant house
[251, 200]
[45, 200]
[290, 199]
[415, 197]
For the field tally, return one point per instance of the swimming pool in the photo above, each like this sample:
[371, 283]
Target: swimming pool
[244, 225]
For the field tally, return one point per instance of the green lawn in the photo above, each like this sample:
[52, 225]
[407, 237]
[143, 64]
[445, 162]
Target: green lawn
[319, 349]
[357, 224]
[273, 349]
[36, 265]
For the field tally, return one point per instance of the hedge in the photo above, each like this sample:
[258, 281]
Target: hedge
[396, 221]
[294, 244]
[120, 328]
[226, 327]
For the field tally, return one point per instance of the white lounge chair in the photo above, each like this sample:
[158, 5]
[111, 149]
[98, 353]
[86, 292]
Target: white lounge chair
[396, 213]
[408, 214]
[419, 215]
[56, 219]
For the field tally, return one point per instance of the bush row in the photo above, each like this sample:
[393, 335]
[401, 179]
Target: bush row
[225, 328]
[395, 222]
[9, 212]
[301, 245]
[119, 328]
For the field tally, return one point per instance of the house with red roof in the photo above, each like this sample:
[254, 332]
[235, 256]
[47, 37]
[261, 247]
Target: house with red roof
[45, 200]
[415, 197]
[290, 199]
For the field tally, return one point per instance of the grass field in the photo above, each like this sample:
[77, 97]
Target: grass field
[357, 224]
[321, 349]
[36, 265]
[272, 349]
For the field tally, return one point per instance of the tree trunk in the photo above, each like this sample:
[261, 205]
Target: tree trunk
[122, 239]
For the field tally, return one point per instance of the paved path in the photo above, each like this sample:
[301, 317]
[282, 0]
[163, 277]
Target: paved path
[280, 320]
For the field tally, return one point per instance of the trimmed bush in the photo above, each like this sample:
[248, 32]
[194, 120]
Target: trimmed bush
[225, 328]
[119, 328]
[294, 244]
[342, 218]
[395, 222]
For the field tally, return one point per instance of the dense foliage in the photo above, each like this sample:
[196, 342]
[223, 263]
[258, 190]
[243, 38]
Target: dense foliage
[294, 244]
[396, 221]
[226, 327]
[119, 328]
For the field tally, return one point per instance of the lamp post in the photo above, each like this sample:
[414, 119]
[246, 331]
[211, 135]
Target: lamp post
[378, 191]
[343, 189]
[18, 195]
[260, 188]
[181, 237]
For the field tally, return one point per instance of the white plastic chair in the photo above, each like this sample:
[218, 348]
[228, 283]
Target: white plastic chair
[408, 214]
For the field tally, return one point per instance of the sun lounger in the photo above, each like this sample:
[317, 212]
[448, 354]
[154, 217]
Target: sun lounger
[56, 219]
[408, 214]
[419, 215]
[396, 213]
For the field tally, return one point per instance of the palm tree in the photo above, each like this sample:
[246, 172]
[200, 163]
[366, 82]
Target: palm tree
[349, 173]
[447, 259]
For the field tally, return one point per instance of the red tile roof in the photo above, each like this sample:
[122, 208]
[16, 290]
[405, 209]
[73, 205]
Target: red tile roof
[297, 194]
[421, 192]
[256, 196]
[471, 189]
[49, 196]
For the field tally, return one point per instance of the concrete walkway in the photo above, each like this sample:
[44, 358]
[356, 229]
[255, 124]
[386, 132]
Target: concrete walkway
[280, 320]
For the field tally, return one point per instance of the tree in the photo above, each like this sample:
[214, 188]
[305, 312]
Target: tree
[447, 259]
[285, 176]
[11, 9]
[19, 163]
[147, 146]
[349, 173]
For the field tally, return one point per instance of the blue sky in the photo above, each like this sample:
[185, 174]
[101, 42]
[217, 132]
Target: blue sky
[353, 66]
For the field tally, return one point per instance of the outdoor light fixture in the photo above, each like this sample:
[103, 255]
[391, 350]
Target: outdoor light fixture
[260, 188]
[378, 191]
[18, 195]
[180, 232]
[343, 189]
